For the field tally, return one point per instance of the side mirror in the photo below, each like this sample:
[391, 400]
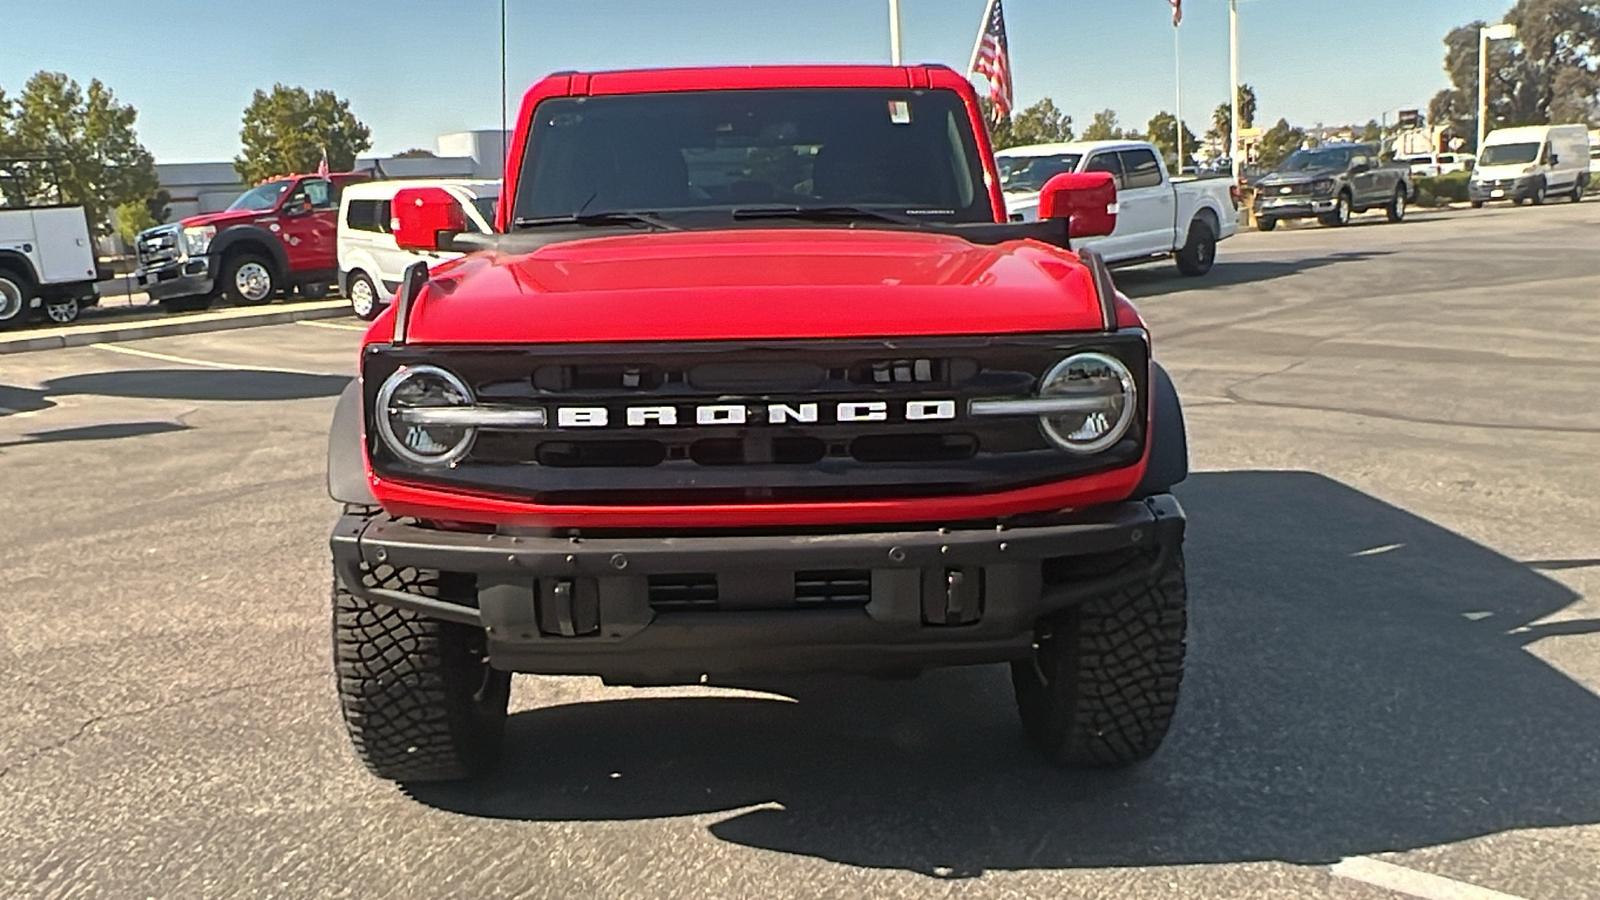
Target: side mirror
[1360, 169]
[294, 209]
[1087, 200]
[426, 218]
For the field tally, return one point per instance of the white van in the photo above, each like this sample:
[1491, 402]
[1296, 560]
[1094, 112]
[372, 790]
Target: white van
[370, 263]
[1594, 156]
[1531, 163]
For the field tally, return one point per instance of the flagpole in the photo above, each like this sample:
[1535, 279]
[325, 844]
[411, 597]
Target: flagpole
[1177, 52]
[977, 45]
[1233, 63]
[894, 32]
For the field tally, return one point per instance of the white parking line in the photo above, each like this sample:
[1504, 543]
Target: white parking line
[204, 363]
[338, 326]
[1402, 880]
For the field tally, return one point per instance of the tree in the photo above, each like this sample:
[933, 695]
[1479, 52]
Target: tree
[1247, 107]
[1221, 129]
[1372, 133]
[288, 130]
[1041, 123]
[415, 153]
[1104, 127]
[1164, 134]
[98, 160]
[133, 217]
[1277, 143]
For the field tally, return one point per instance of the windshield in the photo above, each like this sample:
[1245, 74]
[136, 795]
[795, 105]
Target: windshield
[261, 197]
[1027, 174]
[1302, 160]
[1509, 154]
[901, 151]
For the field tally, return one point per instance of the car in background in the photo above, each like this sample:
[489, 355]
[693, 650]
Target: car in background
[1330, 183]
[371, 264]
[1531, 163]
[1594, 157]
[47, 262]
[1436, 164]
[1158, 218]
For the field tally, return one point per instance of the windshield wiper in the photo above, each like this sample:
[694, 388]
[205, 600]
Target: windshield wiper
[821, 214]
[597, 219]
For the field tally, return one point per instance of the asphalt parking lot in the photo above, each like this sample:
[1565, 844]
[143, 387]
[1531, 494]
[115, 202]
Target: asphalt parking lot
[1393, 689]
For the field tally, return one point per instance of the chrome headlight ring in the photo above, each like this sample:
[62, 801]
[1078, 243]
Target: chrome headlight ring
[418, 441]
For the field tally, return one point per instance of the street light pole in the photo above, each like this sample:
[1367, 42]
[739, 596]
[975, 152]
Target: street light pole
[1485, 35]
[894, 32]
[1233, 62]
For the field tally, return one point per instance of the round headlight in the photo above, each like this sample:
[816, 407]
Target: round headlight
[1108, 399]
[404, 425]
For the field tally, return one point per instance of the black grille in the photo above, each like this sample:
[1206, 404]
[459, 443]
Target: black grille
[683, 592]
[833, 588]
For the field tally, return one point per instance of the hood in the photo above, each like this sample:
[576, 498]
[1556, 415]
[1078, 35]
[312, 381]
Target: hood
[754, 284]
[224, 219]
[1300, 176]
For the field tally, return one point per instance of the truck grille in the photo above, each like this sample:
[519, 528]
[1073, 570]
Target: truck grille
[827, 589]
[1287, 190]
[158, 246]
[806, 450]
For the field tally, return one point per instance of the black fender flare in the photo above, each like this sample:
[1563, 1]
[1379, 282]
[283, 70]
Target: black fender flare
[230, 238]
[347, 465]
[1169, 439]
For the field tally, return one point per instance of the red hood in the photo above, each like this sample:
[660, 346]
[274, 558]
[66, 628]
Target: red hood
[224, 219]
[754, 284]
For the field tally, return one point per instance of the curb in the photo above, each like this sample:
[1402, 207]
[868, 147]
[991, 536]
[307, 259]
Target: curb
[223, 320]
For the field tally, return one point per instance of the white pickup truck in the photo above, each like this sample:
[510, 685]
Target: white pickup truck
[1157, 218]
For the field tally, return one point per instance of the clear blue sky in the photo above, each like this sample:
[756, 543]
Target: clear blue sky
[413, 69]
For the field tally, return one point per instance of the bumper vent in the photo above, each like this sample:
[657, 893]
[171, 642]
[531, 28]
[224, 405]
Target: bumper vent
[676, 593]
[832, 588]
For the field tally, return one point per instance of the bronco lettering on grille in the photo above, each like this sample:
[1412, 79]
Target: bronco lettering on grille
[850, 411]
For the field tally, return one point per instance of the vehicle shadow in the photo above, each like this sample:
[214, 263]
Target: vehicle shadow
[97, 433]
[175, 384]
[1154, 281]
[1355, 685]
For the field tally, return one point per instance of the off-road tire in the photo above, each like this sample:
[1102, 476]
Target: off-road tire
[420, 700]
[1396, 210]
[1267, 224]
[229, 278]
[363, 296]
[1102, 684]
[1199, 252]
[16, 293]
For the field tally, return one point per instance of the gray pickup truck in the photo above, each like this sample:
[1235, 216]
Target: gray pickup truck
[1331, 183]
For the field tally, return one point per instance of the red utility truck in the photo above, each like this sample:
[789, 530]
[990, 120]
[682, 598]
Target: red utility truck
[756, 377]
[277, 236]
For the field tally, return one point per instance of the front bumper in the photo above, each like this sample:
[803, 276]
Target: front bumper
[1296, 207]
[931, 597]
[178, 278]
[1504, 189]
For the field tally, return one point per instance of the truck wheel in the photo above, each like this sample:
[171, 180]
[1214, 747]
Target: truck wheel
[1102, 683]
[420, 700]
[1538, 194]
[313, 291]
[1397, 207]
[62, 311]
[1200, 252]
[1578, 187]
[16, 293]
[1477, 204]
[1340, 216]
[248, 280]
[363, 296]
[1267, 224]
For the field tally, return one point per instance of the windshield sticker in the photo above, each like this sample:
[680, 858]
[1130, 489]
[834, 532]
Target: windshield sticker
[900, 112]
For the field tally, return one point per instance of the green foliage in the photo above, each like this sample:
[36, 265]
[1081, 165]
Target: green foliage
[415, 153]
[285, 132]
[1164, 134]
[1041, 123]
[1104, 127]
[99, 161]
[1278, 142]
[1247, 107]
[1443, 190]
[1222, 117]
[1372, 133]
[133, 217]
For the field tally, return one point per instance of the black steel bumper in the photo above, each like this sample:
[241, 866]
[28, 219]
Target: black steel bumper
[181, 278]
[937, 597]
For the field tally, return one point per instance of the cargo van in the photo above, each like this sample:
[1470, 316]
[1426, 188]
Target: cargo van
[370, 262]
[1531, 163]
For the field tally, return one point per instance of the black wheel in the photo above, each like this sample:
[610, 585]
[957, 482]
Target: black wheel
[1578, 187]
[363, 296]
[1267, 224]
[1477, 204]
[62, 310]
[1340, 216]
[313, 290]
[193, 303]
[248, 280]
[1538, 194]
[1102, 684]
[1396, 210]
[16, 293]
[420, 701]
[1200, 252]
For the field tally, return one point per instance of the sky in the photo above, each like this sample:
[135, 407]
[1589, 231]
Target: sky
[414, 69]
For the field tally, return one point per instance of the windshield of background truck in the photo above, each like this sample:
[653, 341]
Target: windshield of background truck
[260, 198]
[1301, 160]
[901, 151]
[1509, 154]
[1027, 174]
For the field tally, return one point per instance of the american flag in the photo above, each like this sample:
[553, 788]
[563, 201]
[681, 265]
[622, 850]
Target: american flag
[322, 167]
[1177, 12]
[992, 60]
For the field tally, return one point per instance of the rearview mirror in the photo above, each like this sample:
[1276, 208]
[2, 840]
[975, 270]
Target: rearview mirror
[1087, 200]
[425, 218]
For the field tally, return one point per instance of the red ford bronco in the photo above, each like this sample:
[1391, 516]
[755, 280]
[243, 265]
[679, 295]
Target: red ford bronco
[278, 235]
[756, 377]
